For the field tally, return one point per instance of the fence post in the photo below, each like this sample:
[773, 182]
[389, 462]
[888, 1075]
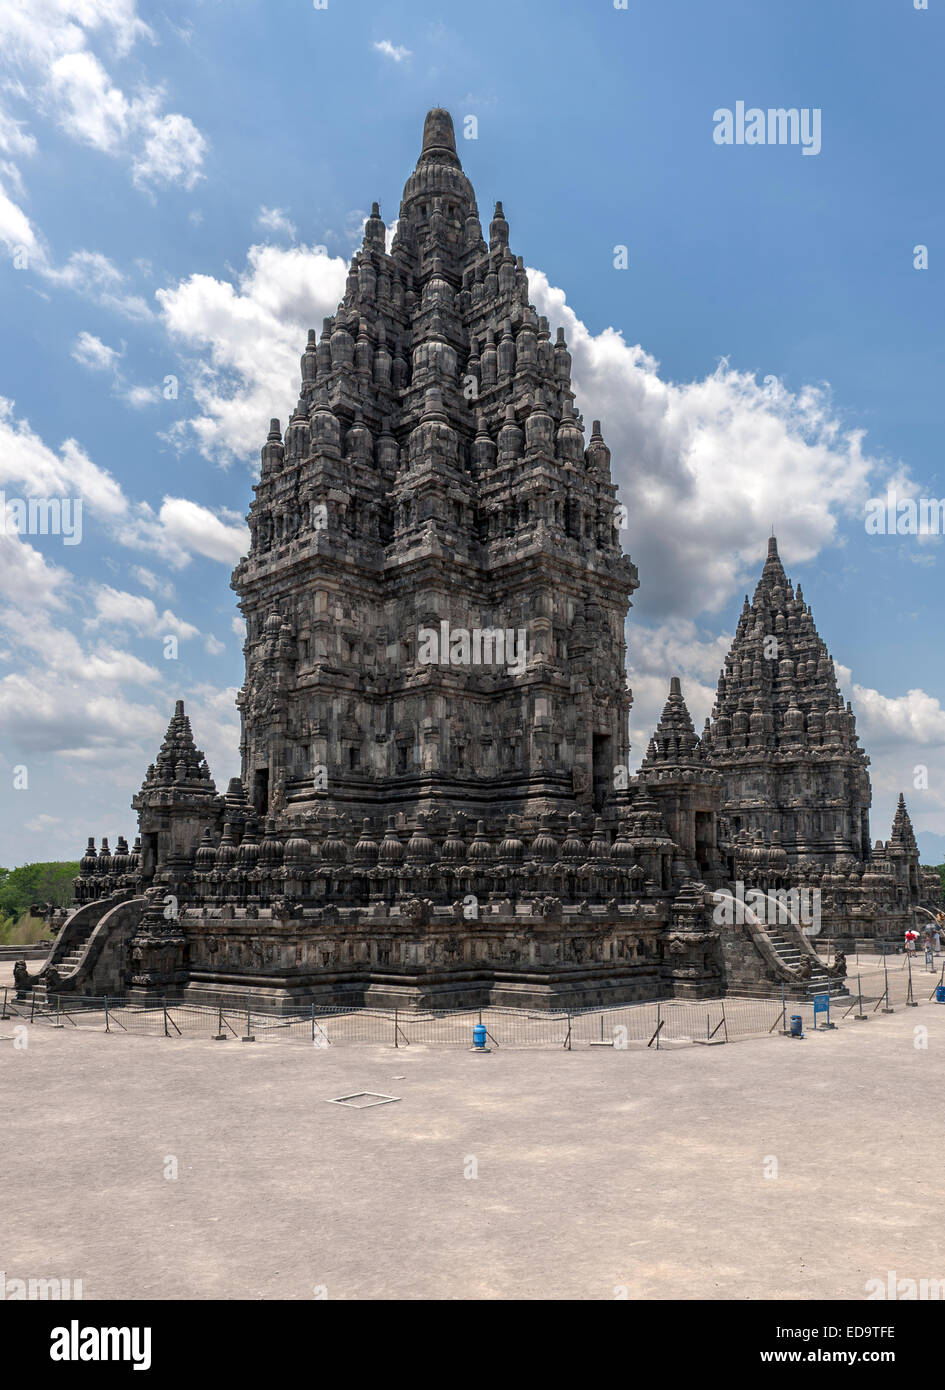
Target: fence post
[249, 1026]
[783, 1010]
[32, 1004]
[164, 1011]
[396, 1043]
[887, 1009]
[313, 1020]
[659, 1023]
[58, 1023]
[4, 1014]
[911, 1002]
[859, 998]
[569, 1031]
[724, 1024]
[106, 1013]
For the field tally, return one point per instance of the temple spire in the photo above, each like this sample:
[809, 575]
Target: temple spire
[674, 740]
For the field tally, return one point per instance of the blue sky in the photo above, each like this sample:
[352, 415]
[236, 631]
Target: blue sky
[180, 189]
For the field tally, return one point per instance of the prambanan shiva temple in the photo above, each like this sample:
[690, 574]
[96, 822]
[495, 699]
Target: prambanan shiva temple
[435, 808]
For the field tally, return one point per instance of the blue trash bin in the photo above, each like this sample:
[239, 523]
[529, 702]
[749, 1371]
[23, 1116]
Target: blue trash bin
[796, 1026]
[479, 1035]
[940, 994]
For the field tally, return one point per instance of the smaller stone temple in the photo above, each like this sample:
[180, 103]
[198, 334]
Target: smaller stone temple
[434, 807]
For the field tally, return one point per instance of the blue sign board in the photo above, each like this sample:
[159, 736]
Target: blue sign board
[822, 1004]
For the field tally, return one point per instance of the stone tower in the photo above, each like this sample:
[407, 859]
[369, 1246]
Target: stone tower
[686, 789]
[435, 593]
[178, 798]
[782, 737]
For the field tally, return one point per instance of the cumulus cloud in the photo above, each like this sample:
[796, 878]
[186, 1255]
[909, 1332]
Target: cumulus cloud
[179, 529]
[26, 461]
[199, 531]
[50, 44]
[28, 578]
[238, 388]
[173, 152]
[705, 467]
[676, 647]
[117, 608]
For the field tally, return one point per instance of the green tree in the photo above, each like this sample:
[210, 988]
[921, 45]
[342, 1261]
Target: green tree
[35, 883]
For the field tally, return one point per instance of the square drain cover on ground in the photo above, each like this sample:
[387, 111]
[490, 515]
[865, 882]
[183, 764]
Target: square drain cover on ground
[362, 1099]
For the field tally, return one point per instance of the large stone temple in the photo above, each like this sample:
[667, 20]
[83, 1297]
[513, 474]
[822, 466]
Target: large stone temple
[434, 805]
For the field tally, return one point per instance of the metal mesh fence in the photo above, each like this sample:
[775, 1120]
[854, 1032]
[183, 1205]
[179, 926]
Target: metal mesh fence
[893, 984]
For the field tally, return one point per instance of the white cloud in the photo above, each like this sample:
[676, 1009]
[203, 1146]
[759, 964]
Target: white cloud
[116, 608]
[16, 232]
[10, 175]
[90, 108]
[173, 152]
[705, 467]
[179, 530]
[149, 580]
[673, 648]
[199, 531]
[238, 388]
[43, 713]
[87, 273]
[140, 396]
[28, 579]
[276, 220]
[13, 138]
[91, 274]
[91, 352]
[48, 40]
[395, 51]
[39, 31]
[26, 461]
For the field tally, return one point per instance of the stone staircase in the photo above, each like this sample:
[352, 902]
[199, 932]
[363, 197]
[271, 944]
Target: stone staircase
[73, 954]
[70, 960]
[790, 953]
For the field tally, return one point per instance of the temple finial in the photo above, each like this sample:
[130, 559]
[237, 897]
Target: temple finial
[438, 132]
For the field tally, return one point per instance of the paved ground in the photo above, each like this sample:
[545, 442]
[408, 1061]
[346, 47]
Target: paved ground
[598, 1170]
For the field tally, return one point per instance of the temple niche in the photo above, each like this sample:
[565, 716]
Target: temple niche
[433, 805]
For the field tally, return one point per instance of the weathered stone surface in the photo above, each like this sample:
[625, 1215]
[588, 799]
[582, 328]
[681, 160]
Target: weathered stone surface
[434, 804]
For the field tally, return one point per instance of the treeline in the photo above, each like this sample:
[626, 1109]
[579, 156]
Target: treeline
[35, 883]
